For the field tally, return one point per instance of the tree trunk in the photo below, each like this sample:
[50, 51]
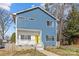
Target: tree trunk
[0, 41]
[69, 42]
[60, 28]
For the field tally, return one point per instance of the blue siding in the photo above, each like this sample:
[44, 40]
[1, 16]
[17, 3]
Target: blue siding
[40, 22]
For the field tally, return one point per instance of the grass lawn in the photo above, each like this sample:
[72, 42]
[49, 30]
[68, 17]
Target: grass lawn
[65, 51]
[27, 52]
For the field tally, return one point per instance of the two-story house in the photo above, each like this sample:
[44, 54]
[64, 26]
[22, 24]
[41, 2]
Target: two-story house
[36, 27]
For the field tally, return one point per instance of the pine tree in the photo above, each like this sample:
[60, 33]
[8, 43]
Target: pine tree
[71, 25]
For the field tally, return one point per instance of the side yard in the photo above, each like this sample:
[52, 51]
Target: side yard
[65, 50]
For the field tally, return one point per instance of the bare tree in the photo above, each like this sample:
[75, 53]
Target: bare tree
[5, 21]
[60, 11]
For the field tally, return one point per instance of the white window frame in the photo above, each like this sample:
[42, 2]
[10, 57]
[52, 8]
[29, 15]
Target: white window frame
[49, 38]
[25, 37]
[51, 25]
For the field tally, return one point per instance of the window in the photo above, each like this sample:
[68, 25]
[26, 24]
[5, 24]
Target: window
[50, 23]
[31, 19]
[49, 38]
[26, 37]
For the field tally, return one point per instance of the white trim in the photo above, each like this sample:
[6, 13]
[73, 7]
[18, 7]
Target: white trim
[40, 8]
[28, 29]
[56, 34]
[16, 29]
[25, 10]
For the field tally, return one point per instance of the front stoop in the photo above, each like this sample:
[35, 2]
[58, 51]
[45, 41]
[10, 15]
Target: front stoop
[39, 47]
[48, 53]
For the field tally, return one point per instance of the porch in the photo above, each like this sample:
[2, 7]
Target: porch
[29, 37]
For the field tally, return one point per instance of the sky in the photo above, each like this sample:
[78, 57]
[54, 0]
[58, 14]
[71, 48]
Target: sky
[13, 8]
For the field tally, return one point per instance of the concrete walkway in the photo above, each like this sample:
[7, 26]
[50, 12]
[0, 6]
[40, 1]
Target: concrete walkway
[48, 53]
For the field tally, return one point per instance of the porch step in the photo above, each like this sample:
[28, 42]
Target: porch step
[39, 47]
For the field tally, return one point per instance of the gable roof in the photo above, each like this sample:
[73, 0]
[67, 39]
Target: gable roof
[20, 12]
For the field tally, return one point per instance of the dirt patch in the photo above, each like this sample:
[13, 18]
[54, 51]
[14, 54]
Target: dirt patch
[12, 50]
[29, 52]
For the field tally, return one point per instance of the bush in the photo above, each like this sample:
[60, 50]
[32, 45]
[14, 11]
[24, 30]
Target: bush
[13, 38]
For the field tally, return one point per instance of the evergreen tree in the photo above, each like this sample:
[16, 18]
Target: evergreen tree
[71, 26]
[13, 38]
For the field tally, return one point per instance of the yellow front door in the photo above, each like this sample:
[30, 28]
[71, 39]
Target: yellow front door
[37, 39]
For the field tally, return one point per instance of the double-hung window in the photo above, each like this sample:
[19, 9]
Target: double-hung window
[25, 37]
[49, 38]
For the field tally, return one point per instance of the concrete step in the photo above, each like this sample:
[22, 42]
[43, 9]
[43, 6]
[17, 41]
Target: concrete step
[39, 47]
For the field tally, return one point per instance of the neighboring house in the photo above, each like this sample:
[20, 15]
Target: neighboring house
[36, 27]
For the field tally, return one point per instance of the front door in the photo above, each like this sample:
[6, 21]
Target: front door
[37, 39]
